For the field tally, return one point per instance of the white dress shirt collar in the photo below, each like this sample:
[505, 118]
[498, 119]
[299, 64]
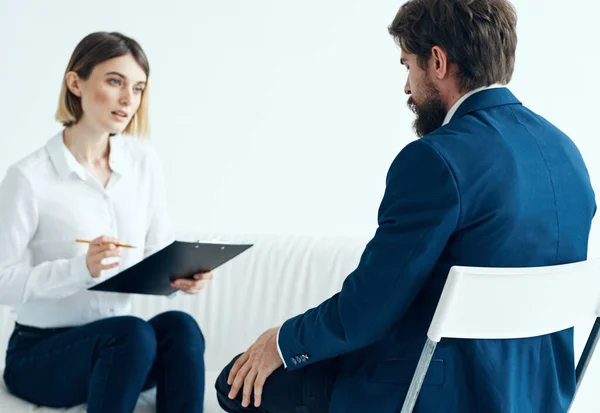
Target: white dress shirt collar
[464, 97]
[65, 163]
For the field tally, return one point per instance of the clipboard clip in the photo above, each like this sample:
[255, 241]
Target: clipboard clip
[214, 240]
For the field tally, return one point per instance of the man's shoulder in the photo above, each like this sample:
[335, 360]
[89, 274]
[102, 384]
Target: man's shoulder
[485, 129]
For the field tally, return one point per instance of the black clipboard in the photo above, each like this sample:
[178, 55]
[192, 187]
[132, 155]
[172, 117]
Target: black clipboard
[179, 259]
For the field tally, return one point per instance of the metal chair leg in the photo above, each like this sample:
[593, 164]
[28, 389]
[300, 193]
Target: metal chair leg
[586, 357]
[419, 377]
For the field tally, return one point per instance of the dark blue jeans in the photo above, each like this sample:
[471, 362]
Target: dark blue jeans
[108, 363]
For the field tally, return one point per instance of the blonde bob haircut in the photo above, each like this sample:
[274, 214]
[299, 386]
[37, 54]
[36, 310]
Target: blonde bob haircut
[92, 50]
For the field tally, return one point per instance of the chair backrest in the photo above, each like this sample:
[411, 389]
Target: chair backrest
[502, 303]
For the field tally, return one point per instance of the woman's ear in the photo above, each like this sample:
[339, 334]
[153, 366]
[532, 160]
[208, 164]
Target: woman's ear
[73, 83]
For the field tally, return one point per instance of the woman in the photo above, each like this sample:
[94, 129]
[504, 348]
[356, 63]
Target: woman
[71, 345]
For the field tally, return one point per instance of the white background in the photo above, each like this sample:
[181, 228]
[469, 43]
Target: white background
[283, 116]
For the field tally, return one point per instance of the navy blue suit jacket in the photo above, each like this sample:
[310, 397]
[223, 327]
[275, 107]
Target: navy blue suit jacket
[499, 186]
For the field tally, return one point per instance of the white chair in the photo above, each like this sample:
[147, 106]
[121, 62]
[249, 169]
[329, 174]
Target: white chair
[489, 303]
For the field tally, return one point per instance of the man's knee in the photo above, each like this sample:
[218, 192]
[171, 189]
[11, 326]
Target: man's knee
[223, 388]
[221, 383]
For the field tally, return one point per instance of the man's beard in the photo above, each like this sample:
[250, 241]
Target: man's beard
[430, 114]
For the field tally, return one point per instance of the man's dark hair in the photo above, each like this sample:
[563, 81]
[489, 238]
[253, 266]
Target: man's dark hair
[480, 36]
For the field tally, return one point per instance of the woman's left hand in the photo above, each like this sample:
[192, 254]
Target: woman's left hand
[195, 285]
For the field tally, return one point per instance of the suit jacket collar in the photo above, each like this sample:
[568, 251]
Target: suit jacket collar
[485, 99]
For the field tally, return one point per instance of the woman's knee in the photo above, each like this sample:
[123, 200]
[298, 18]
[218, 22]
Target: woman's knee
[179, 325]
[135, 334]
[179, 319]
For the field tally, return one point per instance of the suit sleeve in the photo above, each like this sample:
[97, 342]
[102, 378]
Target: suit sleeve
[419, 212]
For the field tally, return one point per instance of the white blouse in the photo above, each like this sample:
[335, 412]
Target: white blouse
[47, 201]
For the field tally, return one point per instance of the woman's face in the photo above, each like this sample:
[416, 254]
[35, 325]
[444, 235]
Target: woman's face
[111, 95]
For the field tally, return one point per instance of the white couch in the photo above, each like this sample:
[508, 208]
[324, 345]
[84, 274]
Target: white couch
[279, 277]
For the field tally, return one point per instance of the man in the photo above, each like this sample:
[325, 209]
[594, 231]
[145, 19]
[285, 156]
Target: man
[489, 184]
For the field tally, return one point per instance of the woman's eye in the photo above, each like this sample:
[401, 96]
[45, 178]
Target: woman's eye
[138, 89]
[114, 81]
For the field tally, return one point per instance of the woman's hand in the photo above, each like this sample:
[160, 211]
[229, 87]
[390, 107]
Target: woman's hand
[101, 248]
[195, 285]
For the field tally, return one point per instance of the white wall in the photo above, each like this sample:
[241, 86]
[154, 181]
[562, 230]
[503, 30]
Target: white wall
[281, 116]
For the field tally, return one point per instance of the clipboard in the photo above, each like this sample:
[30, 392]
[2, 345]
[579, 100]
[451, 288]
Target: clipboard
[180, 259]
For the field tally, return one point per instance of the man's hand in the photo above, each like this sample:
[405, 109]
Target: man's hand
[254, 366]
[195, 285]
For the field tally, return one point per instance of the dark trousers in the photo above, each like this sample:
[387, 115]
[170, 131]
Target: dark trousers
[108, 363]
[306, 390]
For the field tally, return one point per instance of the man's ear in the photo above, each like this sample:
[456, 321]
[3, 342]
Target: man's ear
[73, 83]
[439, 62]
